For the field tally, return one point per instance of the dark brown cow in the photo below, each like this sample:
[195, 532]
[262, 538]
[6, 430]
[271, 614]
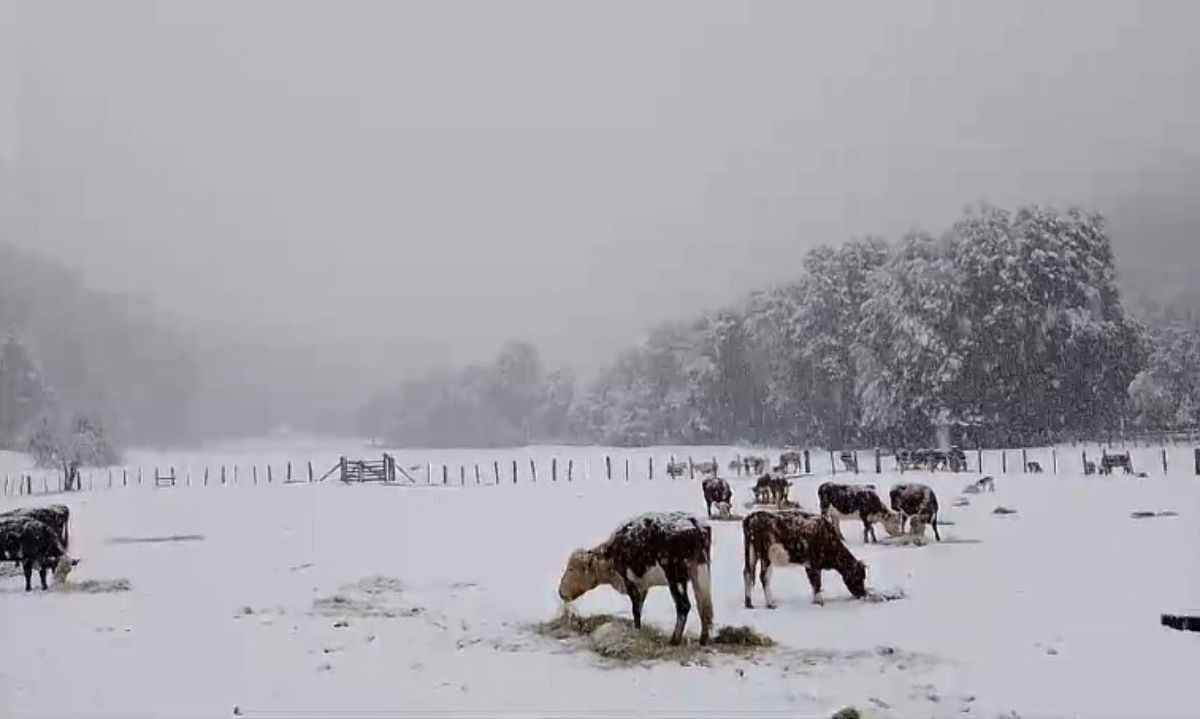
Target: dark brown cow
[838, 501]
[31, 542]
[773, 538]
[650, 550]
[771, 489]
[790, 460]
[717, 491]
[58, 516]
[1109, 462]
[849, 461]
[917, 502]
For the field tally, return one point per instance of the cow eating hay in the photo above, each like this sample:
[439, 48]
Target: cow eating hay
[917, 504]
[782, 538]
[717, 492]
[843, 501]
[33, 543]
[650, 550]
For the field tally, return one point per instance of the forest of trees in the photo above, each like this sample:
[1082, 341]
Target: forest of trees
[1009, 327]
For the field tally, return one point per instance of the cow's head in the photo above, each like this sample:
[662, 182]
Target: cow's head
[585, 571]
[856, 579]
[891, 523]
[63, 568]
[723, 509]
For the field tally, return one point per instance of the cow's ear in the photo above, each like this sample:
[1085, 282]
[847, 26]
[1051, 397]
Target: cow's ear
[75, 561]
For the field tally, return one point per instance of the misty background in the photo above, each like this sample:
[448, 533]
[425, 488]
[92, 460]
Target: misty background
[291, 206]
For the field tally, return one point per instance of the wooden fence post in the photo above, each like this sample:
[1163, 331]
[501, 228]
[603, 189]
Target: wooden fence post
[832, 463]
[496, 472]
[477, 480]
[139, 475]
[807, 464]
[124, 476]
[1164, 460]
[570, 469]
[651, 465]
[254, 473]
[979, 459]
[462, 476]
[29, 483]
[608, 466]
[626, 469]
[514, 468]
[1197, 461]
[1024, 461]
[289, 471]
[223, 472]
[206, 476]
[691, 468]
[554, 469]
[310, 474]
[1003, 461]
[532, 469]
[189, 476]
[445, 475]
[878, 461]
[1054, 459]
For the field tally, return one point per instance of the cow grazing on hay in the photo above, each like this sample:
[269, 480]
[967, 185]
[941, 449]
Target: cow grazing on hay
[675, 470]
[707, 469]
[1109, 462]
[849, 461]
[650, 550]
[771, 489]
[717, 492]
[839, 501]
[1033, 467]
[789, 538]
[916, 502]
[1089, 467]
[983, 484]
[32, 542]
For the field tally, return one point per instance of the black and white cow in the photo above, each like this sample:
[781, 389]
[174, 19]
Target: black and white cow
[839, 501]
[32, 542]
[1109, 462]
[849, 461]
[650, 550]
[778, 539]
[917, 502]
[717, 492]
[772, 489]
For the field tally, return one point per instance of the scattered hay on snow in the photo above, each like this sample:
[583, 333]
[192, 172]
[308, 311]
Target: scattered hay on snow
[728, 518]
[614, 638]
[94, 586]
[1004, 511]
[157, 540]
[889, 595]
[1146, 514]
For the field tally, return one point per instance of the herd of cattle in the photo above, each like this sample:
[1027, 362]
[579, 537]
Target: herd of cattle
[674, 549]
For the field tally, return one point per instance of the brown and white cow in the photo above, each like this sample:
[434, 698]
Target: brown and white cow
[651, 550]
[717, 492]
[771, 489]
[781, 538]
[844, 501]
[916, 502]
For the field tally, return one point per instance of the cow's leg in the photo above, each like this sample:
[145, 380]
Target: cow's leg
[709, 503]
[28, 567]
[764, 576]
[933, 523]
[677, 581]
[868, 529]
[637, 598]
[748, 573]
[42, 575]
[814, 579]
[701, 576]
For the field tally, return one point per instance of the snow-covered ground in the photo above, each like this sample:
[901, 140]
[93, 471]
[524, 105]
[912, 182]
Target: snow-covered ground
[301, 599]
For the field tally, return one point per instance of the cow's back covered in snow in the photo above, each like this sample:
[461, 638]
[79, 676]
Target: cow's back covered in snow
[652, 549]
[781, 538]
[916, 503]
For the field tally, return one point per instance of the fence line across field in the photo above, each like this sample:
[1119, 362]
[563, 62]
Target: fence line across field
[596, 467]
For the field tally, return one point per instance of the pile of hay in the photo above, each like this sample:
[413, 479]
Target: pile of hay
[731, 517]
[1146, 514]
[615, 639]
[95, 586]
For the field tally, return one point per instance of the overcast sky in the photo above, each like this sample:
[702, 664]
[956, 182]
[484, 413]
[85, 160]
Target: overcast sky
[450, 174]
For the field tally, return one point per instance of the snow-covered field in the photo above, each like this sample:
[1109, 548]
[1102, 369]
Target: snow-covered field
[306, 599]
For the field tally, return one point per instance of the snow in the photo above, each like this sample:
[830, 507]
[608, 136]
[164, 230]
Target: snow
[302, 598]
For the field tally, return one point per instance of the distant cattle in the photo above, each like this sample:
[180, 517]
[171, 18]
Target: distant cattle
[772, 538]
[916, 502]
[838, 501]
[676, 470]
[57, 516]
[35, 543]
[1033, 467]
[983, 484]
[1089, 467]
[953, 459]
[791, 462]
[650, 550]
[751, 465]
[717, 492]
[1111, 461]
[707, 468]
[771, 489]
[849, 461]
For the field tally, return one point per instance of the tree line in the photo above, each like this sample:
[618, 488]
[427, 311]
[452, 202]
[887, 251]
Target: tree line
[1008, 328]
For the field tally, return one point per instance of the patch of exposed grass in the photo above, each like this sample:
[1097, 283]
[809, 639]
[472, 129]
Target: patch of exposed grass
[615, 639]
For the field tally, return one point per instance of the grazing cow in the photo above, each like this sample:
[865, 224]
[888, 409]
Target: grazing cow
[1089, 467]
[754, 465]
[1033, 467]
[717, 491]
[791, 460]
[771, 489]
[773, 538]
[35, 543]
[849, 461]
[706, 468]
[1110, 461]
[675, 470]
[650, 550]
[840, 501]
[58, 516]
[980, 485]
[918, 502]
